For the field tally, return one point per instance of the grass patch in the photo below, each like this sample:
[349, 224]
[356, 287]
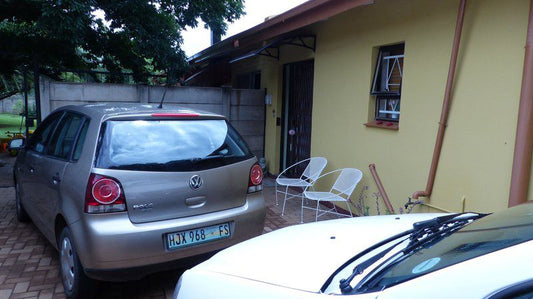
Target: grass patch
[11, 123]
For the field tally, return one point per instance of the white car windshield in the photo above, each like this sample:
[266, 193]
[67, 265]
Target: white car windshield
[488, 234]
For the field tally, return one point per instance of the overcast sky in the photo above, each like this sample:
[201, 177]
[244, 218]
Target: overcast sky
[197, 39]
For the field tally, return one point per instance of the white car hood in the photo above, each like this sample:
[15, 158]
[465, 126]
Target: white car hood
[302, 257]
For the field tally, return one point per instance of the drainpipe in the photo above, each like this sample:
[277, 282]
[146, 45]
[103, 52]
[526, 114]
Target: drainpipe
[445, 105]
[381, 189]
[524, 129]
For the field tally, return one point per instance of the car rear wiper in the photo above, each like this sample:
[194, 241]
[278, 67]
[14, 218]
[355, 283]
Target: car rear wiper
[423, 234]
[137, 166]
[210, 157]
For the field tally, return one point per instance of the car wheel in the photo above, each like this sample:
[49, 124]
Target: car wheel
[22, 216]
[75, 283]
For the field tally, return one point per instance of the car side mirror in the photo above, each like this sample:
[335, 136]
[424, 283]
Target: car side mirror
[15, 144]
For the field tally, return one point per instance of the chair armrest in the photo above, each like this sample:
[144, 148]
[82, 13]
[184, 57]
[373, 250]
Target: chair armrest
[323, 175]
[329, 173]
[292, 166]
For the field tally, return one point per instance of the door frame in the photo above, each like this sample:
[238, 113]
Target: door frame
[286, 76]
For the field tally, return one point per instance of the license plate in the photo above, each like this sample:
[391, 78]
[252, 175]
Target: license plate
[198, 235]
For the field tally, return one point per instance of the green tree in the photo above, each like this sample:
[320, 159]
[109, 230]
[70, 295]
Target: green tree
[141, 36]
[10, 85]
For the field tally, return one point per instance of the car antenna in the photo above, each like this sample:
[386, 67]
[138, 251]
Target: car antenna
[162, 99]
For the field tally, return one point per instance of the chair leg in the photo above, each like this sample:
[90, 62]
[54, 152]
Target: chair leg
[316, 214]
[284, 201]
[302, 210]
[335, 209]
[306, 199]
[349, 209]
[276, 194]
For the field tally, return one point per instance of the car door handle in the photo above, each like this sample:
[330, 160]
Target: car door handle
[195, 202]
[56, 179]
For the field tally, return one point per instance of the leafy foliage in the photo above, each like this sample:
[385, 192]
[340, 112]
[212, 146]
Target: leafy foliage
[19, 109]
[141, 36]
[13, 83]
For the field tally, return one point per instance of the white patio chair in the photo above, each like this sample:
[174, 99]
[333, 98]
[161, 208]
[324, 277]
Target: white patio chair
[312, 171]
[341, 190]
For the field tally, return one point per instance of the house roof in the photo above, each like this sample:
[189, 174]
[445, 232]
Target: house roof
[298, 17]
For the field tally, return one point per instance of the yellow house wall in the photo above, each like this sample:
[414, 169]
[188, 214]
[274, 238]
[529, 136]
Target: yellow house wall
[477, 154]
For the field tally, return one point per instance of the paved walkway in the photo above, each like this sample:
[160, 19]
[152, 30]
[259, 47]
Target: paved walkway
[29, 267]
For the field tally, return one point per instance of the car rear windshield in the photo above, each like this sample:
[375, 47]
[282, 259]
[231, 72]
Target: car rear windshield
[169, 145]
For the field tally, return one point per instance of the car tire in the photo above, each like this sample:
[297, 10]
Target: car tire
[75, 283]
[22, 215]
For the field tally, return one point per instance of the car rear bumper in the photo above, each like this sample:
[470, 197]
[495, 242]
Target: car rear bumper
[107, 243]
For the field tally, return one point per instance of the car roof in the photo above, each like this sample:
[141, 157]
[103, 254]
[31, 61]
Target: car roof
[108, 110]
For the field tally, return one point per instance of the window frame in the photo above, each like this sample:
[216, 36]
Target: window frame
[381, 93]
[378, 70]
[84, 125]
[393, 115]
[55, 126]
[51, 121]
[59, 129]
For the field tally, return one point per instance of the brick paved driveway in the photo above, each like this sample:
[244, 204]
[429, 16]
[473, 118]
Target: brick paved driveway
[29, 266]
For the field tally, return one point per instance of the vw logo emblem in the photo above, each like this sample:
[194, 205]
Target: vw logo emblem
[195, 182]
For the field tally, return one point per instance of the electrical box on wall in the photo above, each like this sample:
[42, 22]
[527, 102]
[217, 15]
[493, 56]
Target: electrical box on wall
[268, 99]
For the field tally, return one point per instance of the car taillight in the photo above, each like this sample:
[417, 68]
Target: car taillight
[256, 179]
[104, 195]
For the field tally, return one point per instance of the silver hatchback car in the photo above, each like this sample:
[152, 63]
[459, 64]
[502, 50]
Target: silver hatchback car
[123, 191]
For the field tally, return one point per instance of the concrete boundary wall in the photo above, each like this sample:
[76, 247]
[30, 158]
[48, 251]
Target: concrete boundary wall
[7, 105]
[243, 107]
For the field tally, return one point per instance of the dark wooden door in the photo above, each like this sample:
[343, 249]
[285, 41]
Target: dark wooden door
[297, 108]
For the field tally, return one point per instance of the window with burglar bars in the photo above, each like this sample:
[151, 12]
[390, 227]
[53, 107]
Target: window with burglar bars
[387, 83]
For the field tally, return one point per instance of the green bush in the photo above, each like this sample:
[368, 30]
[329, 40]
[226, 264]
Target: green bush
[18, 108]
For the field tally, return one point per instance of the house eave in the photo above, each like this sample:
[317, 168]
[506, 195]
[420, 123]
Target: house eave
[300, 16]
